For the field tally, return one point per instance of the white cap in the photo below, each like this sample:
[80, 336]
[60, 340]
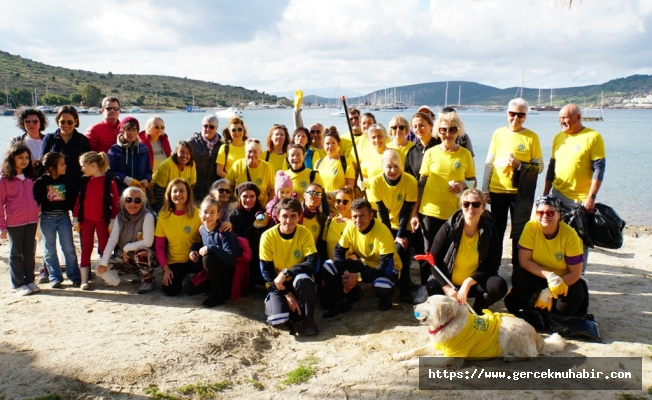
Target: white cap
[426, 108]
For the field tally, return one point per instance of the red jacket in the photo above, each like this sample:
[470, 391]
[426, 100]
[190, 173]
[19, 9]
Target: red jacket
[143, 137]
[102, 135]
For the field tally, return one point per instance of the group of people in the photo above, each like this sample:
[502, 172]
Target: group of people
[311, 217]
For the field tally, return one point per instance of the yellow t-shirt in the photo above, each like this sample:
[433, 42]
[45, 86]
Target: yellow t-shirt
[480, 337]
[332, 234]
[467, 259]
[235, 153]
[168, 171]
[442, 167]
[278, 162]
[524, 145]
[317, 154]
[301, 180]
[346, 146]
[393, 196]
[402, 150]
[332, 173]
[370, 247]
[261, 176]
[313, 226]
[181, 231]
[371, 163]
[574, 156]
[286, 253]
[551, 254]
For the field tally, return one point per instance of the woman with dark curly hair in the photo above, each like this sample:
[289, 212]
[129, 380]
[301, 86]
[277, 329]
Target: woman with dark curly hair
[32, 122]
[278, 140]
[235, 136]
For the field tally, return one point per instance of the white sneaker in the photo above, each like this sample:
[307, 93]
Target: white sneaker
[34, 288]
[421, 296]
[84, 286]
[24, 290]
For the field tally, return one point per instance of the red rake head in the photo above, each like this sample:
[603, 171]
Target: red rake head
[428, 257]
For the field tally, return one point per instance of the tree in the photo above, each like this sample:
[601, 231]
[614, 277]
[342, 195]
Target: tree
[75, 98]
[91, 94]
[54, 100]
[22, 97]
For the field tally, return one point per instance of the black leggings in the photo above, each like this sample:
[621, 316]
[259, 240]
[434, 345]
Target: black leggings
[220, 279]
[180, 271]
[486, 292]
[404, 255]
[501, 205]
[525, 285]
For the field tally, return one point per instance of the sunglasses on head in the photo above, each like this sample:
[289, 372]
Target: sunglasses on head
[313, 193]
[279, 126]
[31, 121]
[474, 204]
[517, 114]
[70, 123]
[209, 127]
[549, 213]
[159, 127]
[112, 108]
[452, 130]
[238, 129]
[223, 191]
[340, 201]
[399, 127]
[136, 200]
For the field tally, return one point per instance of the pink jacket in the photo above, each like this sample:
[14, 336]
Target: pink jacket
[17, 202]
[102, 136]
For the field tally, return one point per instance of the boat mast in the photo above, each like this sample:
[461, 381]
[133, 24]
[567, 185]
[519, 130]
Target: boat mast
[539, 98]
[446, 96]
[522, 81]
[459, 97]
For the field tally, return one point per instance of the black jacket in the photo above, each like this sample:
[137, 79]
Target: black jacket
[414, 157]
[76, 146]
[204, 164]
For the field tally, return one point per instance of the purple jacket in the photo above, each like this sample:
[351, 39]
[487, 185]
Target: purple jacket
[17, 202]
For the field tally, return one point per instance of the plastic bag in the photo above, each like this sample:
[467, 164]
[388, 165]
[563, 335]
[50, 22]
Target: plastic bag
[606, 227]
[583, 327]
[577, 218]
[110, 277]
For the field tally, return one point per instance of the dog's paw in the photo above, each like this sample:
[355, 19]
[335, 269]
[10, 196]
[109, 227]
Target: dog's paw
[401, 356]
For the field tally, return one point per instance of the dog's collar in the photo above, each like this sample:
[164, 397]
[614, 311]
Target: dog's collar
[440, 328]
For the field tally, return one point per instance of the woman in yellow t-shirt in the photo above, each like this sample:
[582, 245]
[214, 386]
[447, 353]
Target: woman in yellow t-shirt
[399, 128]
[233, 149]
[332, 167]
[180, 164]
[176, 230]
[253, 169]
[278, 139]
[371, 156]
[513, 162]
[446, 170]
[551, 256]
[466, 250]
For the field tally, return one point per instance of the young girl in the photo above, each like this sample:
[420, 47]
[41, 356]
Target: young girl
[282, 189]
[176, 230]
[54, 192]
[19, 216]
[96, 207]
[217, 251]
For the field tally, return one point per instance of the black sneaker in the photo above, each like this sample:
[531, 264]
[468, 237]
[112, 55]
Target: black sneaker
[310, 329]
[337, 310]
[76, 283]
[43, 276]
[212, 301]
[384, 305]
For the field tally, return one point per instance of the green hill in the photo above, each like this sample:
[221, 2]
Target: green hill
[23, 76]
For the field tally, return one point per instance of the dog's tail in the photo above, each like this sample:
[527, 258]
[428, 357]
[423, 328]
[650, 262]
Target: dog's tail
[553, 344]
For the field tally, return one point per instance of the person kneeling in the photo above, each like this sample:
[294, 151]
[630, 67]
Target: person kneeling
[288, 260]
[377, 263]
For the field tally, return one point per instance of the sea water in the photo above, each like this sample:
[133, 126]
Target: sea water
[627, 135]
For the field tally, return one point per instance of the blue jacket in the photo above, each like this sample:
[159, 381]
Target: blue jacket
[131, 161]
[224, 245]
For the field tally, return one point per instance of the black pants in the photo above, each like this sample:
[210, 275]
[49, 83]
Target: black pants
[22, 249]
[276, 305]
[380, 282]
[501, 205]
[404, 255]
[416, 242]
[525, 285]
[219, 282]
[180, 271]
[431, 226]
[486, 292]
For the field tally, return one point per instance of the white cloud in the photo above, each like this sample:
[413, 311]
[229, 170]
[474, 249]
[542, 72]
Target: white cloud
[363, 45]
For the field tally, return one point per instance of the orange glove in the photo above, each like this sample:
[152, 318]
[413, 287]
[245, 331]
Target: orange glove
[544, 301]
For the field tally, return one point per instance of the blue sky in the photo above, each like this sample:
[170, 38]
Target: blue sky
[278, 46]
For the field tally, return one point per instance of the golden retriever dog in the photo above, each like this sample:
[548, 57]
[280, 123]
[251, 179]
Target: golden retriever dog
[456, 334]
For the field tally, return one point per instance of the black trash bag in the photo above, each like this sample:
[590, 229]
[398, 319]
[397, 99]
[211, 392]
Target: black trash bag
[536, 317]
[578, 327]
[606, 227]
[578, 219]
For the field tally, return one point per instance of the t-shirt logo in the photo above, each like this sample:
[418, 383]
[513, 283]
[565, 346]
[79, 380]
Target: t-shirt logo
[399, 197]
[479, 324]
[56, 192]
[314, 228]
[303, 184]
[297, 253]
[521, 147]
[259, 181]
[186, 229]
[335, 171]
[371, 247]
[559, 256]
[457, 165]
[577, 148]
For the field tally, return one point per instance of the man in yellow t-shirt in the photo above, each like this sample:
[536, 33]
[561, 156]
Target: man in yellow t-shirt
[288, 261]
[376, 261]
[577, 164]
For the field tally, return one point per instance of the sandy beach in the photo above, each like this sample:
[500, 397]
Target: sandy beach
[110, 342]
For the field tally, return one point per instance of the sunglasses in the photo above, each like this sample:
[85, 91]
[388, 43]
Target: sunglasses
[212, 127]
[136, 200]
[354, 117]
[279, 126]
[239, 129]
[312, 193]
[339, 201]
[399, 127]
[69, 123]
[159, 126]
[475, 204]
[223, 191]
[31, 121]
[315, 131]
[517, 114]
[549, 213]
[112, 108]
[452, 130]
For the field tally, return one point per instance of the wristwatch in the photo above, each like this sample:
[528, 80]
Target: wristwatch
[593, 196]
[359, 277]
[286, 272]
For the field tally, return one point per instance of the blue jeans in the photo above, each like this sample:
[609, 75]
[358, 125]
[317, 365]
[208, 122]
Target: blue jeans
[51, 224]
